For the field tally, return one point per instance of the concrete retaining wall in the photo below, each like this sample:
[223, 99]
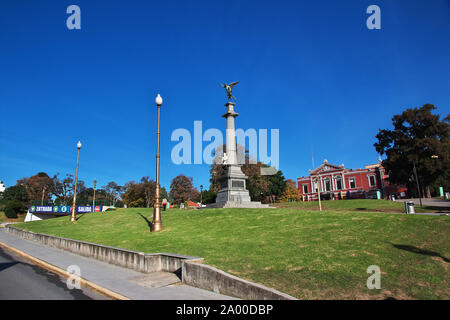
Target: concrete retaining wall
[192, 272]
[212, 279]
[139, 261]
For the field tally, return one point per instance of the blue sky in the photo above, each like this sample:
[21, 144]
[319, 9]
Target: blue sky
[311, 69]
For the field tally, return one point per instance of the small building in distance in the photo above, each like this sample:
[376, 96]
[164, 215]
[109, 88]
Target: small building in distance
[338, 182]
[2, 187]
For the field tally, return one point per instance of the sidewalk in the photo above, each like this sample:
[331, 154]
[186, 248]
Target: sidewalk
[126, 282]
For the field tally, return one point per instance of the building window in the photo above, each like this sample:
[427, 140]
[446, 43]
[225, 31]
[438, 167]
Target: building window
[315, 186]
[305, 188]
[327, 185]
[372, 181]
[339, 183]
[351, 183]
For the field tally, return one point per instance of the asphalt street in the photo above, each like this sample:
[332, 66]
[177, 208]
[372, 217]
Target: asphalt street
[21, 280]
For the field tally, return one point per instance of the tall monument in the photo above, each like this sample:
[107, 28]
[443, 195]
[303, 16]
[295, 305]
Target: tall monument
[233, 192]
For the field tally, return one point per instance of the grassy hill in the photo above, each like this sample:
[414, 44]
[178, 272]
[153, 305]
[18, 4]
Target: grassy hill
[305, 253]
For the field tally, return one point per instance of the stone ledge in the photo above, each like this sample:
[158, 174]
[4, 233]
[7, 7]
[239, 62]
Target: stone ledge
[213, 279]
[139, 261]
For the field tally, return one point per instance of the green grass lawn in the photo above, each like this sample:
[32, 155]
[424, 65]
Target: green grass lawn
[305, 253]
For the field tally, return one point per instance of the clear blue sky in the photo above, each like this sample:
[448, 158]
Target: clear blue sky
[309, 68]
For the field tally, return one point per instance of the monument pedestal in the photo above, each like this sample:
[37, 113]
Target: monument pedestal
[233, 192]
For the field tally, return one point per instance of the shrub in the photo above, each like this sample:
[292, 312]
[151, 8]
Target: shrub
[12, 208]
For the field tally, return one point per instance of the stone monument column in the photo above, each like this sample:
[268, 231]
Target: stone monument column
[233, 192]
[230, 133]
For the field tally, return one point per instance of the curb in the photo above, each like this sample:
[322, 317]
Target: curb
[65, 274]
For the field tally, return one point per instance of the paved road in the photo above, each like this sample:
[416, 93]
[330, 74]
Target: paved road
[429, 202]
[21, 280]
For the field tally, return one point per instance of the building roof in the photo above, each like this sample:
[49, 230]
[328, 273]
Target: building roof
[325, 167]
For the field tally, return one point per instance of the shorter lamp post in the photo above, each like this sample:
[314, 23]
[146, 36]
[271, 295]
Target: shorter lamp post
[417, 182]
[434, 156]
[201, 195]
[93, 199]
[72, 216]
[316, 180]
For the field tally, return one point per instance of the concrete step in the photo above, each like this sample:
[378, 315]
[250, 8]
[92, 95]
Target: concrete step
[157, 279]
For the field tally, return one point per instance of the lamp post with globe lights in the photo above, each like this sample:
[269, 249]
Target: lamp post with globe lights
[72, 216]
[157, 224]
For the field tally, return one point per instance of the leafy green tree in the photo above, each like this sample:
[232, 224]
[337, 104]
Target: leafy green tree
[37, 186]
[13, 208]
[63, 189]
[15, 200]
[113, 190]
[277, 185]
[182, 189]
[208, 196]
[16, 193]
[142, 194]
[418, 134]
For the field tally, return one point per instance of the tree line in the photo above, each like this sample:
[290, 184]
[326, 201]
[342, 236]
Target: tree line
[43, 189]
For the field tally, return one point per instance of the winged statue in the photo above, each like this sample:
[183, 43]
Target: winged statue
[229, 88]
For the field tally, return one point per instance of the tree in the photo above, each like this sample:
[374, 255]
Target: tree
[113, 190]
[142, 194]
[16, 193]
[149, 186]
[291, 192]
[208, 196]
[15, 200]
[38, 185]
[276, 183]
[182, 189]
[134, 195]
[416, 137]
[13, 208]
[63, 189]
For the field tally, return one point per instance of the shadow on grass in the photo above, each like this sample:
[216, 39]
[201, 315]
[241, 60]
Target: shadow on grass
[420, 251]
[149, 223]
[79, 216]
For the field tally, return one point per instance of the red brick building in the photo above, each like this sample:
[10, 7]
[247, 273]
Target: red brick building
[338, 182]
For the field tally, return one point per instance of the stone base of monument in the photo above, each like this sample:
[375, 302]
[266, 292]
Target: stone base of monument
[233, 192]
[235, 204]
